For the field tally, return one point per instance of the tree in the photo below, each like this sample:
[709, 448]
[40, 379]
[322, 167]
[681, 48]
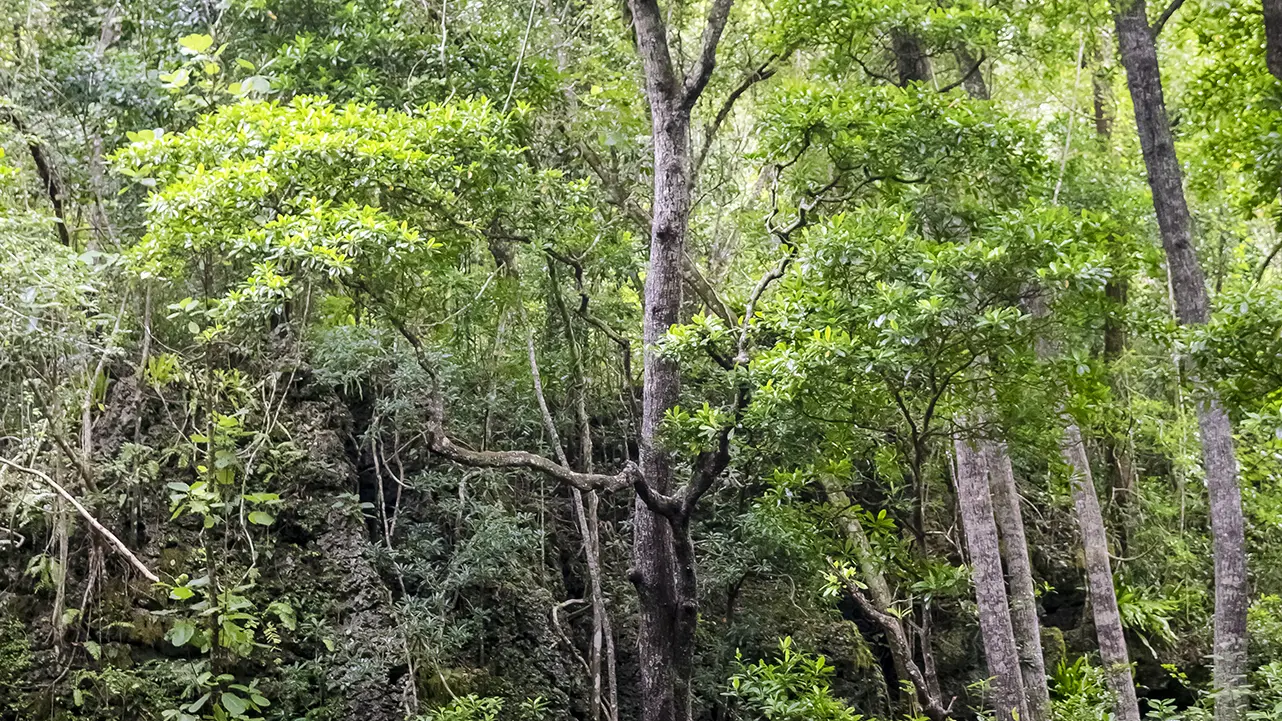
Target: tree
[1137, 44]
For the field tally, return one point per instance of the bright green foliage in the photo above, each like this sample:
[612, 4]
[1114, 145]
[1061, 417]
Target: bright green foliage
[349, 196]
[294, 222]
[793, 688]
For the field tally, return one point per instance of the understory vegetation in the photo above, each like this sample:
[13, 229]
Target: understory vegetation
[756, 360]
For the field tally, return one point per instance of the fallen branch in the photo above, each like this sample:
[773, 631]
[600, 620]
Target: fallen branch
[121, 548]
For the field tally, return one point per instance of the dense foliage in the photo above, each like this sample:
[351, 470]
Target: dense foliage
[482, 361]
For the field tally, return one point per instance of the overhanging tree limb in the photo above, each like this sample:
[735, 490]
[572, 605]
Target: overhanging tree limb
[1166, 15]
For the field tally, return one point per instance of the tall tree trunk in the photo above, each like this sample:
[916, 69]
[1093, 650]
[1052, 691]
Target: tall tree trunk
[1000, 651]
[601, 666]
[1019, 574]
[1117, 457]
[1099, 577]
[1188, 284]
[912, 64]
[972, 74]
[1273, 36]
[662, 551]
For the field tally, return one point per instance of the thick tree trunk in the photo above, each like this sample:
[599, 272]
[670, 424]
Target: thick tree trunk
[662, 551]
[976, 506]
[912, 64]
[1099, 576]
[664, 617]
[1188, 284]
[1273, 36]
[1019, 574]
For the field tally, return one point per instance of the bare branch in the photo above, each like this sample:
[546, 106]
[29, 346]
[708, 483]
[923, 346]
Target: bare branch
[763, 72]
[441, 443]
[718, 14]
[1166, 15]
[868, 71]
[966, 76]
[48, 177]
[120, 547]
[702, 288]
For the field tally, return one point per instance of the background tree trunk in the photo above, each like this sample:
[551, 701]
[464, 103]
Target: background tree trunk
[1188, 283]
[1273, 36]
[1019, 573]
[878, 606]
[1099, 577]
[912, 64]
[976, 506]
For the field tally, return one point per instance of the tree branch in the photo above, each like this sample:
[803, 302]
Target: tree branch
[718, 14]
[440, 442]
[967, 76]
[48, 178]
[763, 72]
[1166, 15]
[120, 547]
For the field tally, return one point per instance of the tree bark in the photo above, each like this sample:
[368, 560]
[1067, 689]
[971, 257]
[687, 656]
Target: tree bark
[1273, 36]
[912, 64]
[662, 552]
[1019, 575]
[1188, 284]
[1099, 577]
[976, 506]
[973, 82]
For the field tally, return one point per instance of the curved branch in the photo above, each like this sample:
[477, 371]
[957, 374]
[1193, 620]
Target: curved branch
[1166, 15]
[763, 72]
[969, 74]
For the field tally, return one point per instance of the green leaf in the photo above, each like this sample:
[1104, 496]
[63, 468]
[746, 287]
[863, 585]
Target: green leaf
[181, 593]
[261, 518]
[195, 44]
[235, 705]
[262, 497]
[181, 633]
[196, 705]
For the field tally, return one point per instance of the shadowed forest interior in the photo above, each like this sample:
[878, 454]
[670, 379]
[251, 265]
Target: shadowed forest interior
[640, 360]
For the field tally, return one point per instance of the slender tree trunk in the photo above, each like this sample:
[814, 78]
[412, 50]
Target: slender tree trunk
[1099, 576]
[48, 176]
[1019, 574]
[1273, 36]
[877, 605]
[1116, 453]
[604, 696]
[1188, 284]
[976, 506]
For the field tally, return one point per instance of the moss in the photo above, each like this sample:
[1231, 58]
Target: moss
[15, 663]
